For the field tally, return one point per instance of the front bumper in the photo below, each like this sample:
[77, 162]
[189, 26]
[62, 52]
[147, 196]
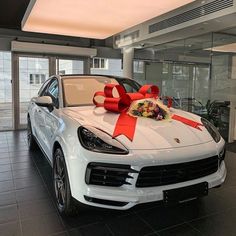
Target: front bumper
[126, 196]
[143, 195]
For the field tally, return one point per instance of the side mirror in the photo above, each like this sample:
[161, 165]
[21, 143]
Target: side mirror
[44, 101]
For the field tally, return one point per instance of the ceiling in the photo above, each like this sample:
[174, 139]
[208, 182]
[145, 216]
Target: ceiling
[12, 12]
[98, 19]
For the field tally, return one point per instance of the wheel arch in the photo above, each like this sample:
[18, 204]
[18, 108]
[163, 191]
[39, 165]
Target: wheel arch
[59, 144]
[29, 120]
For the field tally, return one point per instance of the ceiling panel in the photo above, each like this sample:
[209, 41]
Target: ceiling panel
[92, 18]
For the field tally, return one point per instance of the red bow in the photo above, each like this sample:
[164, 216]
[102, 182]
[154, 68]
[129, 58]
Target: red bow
[126, 124]
[122, 103]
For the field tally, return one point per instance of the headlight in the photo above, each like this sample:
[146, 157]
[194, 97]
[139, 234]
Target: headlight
[98, 141]
[211, 129]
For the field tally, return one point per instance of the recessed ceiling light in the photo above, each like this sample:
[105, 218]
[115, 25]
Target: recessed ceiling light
[92, 18]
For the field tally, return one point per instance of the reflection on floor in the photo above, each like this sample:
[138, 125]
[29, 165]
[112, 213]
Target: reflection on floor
[231, 147]
[27, 207]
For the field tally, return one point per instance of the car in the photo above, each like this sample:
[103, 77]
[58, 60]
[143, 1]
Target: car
[148, 160]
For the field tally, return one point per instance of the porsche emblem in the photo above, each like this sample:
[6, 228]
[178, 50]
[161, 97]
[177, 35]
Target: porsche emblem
[177, 140]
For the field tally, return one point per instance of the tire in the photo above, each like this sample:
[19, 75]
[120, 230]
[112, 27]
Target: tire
[32, 145]
[66, 205]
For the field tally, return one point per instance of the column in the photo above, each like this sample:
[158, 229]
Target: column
[128, 55]
[87, 63]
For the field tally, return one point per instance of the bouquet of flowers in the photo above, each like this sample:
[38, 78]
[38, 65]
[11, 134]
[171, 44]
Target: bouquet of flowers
[150, 108]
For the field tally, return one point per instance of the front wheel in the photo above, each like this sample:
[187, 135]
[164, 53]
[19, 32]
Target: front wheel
[65, 203]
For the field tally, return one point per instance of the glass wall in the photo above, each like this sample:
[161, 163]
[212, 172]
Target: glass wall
[223, 83]
[199, 73]
[6, 120]
[181, 69]
[223, 66]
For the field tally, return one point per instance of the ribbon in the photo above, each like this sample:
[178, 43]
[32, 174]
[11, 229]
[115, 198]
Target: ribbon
[186, 121]
[126, 124]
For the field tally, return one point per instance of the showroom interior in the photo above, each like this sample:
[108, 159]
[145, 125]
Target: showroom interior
[187, 48]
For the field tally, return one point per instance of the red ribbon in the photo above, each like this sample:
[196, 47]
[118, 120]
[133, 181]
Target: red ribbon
[126, 124]
[186, 121]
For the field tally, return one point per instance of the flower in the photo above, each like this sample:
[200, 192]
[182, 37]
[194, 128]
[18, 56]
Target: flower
[145, 114]
[149, 108]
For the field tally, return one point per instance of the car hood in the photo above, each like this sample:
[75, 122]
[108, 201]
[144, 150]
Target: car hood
[149, 134]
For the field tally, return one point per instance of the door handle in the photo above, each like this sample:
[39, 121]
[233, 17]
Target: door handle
[39, 111]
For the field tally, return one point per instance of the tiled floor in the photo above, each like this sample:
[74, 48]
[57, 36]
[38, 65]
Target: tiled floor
[27, 207]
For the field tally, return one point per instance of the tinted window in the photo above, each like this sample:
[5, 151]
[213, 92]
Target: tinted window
[52, 91]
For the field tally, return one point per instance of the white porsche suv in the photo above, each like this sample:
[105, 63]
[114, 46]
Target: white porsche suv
[166, 160]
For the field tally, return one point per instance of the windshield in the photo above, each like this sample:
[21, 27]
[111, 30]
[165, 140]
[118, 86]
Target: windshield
[79, 90]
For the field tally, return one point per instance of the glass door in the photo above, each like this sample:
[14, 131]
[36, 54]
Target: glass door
[32, 73]
[6, 108]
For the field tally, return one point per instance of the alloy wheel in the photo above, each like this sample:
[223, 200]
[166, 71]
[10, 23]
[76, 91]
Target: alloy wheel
[59, 181]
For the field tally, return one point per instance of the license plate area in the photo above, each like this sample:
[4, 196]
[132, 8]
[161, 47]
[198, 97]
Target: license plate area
[185, 193]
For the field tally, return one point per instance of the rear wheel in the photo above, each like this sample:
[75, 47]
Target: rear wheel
[65, 203]
[30, 137]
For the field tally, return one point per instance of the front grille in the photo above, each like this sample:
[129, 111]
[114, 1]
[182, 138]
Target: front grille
[108, 174]
[175, 173]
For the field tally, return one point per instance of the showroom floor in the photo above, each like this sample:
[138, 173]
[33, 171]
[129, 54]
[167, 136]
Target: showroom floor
[27, 207]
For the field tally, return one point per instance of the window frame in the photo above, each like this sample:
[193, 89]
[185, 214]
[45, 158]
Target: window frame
[105, 63]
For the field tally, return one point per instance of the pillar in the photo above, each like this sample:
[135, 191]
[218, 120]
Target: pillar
[128, 55]
[87, 63]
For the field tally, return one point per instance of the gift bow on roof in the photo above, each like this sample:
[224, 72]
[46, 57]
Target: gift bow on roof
[126, 124]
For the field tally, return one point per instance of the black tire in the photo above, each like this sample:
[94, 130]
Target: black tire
[30, 137]
[66, 205]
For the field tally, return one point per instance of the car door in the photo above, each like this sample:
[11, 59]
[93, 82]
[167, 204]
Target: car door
[51, 120]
